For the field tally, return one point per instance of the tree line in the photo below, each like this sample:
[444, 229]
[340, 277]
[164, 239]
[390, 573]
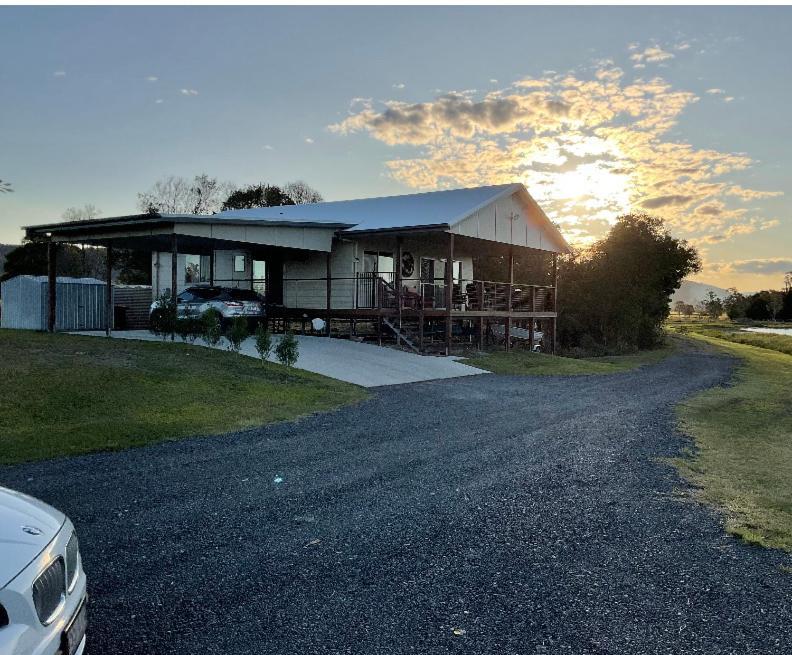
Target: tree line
[171, 195]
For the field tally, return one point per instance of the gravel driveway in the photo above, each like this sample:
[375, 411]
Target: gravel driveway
[478, 515]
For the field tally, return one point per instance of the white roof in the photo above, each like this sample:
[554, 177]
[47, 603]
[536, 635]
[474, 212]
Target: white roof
[413, 210]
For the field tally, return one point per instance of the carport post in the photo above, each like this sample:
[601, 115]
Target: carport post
[109, 290]
[174, 276]
[329, 290]
[52, 279]
[449, 282]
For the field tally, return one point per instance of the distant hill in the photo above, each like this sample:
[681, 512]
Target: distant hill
[692, 292]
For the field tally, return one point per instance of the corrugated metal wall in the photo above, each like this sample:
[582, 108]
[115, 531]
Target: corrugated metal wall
[80, 303]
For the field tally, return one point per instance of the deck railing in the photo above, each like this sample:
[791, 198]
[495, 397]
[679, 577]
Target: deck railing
[378, 291]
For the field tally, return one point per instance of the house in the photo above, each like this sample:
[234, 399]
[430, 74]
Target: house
[406, 264]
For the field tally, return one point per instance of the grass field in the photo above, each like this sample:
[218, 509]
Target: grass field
[730, 332]
[523, 362]
[743, 435]
[64, 395]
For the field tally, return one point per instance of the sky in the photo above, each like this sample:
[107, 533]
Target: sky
[682, 112]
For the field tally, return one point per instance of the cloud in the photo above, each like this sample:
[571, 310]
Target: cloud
[159, 101]
[309, 140]
[652, 54]
[399, 85]
[189, 92]
[770, 265]
[715, 91]
[728, 99]
[666, 201]
[152, 78]
[59, 74]
[268, 147]
[589, 148]
[493, 80]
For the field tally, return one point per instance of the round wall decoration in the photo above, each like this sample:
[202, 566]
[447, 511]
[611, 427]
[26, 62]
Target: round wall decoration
[407, 264]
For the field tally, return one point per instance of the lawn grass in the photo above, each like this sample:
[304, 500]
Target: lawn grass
[66, 395]
[743, 435]
[524, 362]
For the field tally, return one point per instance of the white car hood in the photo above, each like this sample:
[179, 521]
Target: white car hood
[21, 515]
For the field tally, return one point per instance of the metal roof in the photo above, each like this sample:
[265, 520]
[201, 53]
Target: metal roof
[387, 213]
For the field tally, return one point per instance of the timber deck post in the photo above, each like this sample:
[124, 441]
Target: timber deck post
[109, 290]
[555, 300]
[329, 292]
[449, 282]
[52, 279]
[532, 322]
[398, 277]
[507, 330]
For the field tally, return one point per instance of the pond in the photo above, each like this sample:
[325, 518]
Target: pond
[785, 331]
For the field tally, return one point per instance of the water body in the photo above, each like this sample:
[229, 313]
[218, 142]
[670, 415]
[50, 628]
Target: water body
[785, 331]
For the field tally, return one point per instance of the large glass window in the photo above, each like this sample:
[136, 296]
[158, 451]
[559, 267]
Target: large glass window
[196, 269]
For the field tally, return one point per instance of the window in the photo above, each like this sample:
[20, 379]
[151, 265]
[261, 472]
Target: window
[196, 268]
[239, 263]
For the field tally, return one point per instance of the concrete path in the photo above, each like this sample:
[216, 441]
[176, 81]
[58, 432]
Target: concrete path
[359, 363]
[485, 515]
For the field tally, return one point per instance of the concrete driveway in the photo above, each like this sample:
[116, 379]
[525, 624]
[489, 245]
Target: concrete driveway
[364, 364]
[482, 515]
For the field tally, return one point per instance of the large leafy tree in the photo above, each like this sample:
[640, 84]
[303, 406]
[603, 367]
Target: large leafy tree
[615, 296]
[271, 195]
[31, 259]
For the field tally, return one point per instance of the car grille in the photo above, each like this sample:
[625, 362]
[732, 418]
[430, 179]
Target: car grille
[72, 555]
[48, 590]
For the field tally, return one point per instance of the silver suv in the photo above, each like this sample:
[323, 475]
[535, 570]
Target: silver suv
[229, 302]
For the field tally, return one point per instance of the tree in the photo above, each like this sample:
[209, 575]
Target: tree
[758, 308]
[775, 303]
[301, 194]
[616, 294]
[679, 307]
[688, 310]
[257, 195]
[735, 304]
[788, 282]
[178, 195]
[712, 305]
[271, 195]
[31, 259]
[85, 213]
[5, 187]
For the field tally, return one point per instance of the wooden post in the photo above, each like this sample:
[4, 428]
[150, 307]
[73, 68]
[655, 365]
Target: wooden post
[480, 286]
[531, 321]
[109, 290]
[174, 276]
[421, 329]
[507, 331]
[449, 281]
[555, 300]
[52, 279]
[398, 277]
[329, 291]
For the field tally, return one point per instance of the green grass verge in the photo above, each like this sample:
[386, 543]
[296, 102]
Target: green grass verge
[743, 435]
[523, 362]
[65, 395]
[730, 332]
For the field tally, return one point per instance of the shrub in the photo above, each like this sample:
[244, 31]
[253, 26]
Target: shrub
[263, 342]
[237, 333]
[163, 321]
[288, 349]
[211, 327]
[189, 328]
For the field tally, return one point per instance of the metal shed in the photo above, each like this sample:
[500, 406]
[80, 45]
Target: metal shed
[80, 303]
